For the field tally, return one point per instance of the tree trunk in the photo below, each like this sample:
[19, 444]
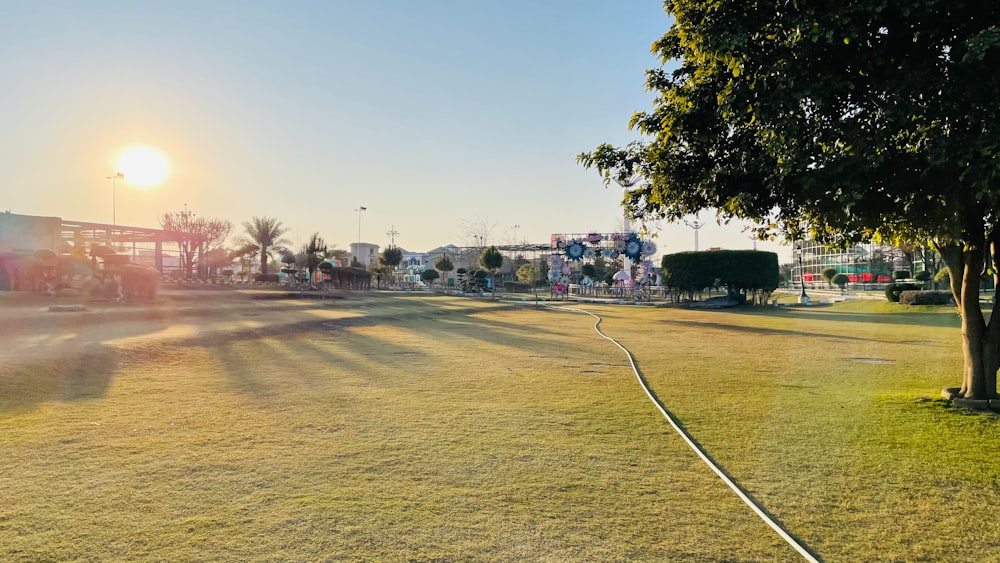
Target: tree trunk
[980, 342]
[263, 261]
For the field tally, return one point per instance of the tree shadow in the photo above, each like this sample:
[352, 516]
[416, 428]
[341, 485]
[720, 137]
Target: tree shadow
[944, 318]
[762, 331]
[82, 375]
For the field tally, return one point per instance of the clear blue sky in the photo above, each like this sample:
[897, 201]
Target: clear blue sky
[431, 114]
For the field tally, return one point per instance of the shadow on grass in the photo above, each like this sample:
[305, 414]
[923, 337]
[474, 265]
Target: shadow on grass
[78, 376]
[766, 331]
[945, 317]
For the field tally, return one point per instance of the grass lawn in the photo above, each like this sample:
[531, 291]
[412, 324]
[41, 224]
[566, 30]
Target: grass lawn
[412, 427]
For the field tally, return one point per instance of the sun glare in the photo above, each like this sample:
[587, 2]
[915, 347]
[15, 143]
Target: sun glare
[143, 166]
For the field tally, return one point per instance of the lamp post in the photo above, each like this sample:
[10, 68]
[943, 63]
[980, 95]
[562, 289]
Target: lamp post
[626, 182]
[696, 225]
[803, 298]
[114, 198]
[359, 210]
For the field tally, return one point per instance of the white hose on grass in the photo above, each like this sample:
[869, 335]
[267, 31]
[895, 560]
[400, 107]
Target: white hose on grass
[694, 446]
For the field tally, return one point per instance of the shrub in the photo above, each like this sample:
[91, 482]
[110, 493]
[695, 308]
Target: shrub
[737, 270]
[841, 280]
[828, 274]
[516, 287]
[900, 275]
[526, 273]
[428, 276]
[266, 278]
[922, 275]
[925, 298]
[893, 290]
[943, 276]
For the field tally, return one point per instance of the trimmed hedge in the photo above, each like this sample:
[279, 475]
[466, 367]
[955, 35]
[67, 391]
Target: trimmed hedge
[737, 270]
[893, 290]
[516, 287]
[266, 278]
[926, 298]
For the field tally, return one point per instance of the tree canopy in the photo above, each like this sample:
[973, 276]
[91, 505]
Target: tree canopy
[491, 258]
[204, 234]
[854, 120]
[266, 233]
[444, 264]
[314, 252]
[391, 256]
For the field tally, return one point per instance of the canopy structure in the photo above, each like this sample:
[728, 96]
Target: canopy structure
[22, 235]
[151, 247]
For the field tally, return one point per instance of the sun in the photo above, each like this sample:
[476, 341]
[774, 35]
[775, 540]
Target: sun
[143, 166]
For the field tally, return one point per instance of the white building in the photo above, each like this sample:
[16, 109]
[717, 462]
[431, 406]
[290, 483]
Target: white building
[366, 253]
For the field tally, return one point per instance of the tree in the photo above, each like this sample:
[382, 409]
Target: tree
[854, 121]
[491, 259]
[828, 274]
[943, 277]
[287, 258]
[478, 232]
[389, 260]
[526, 273]
[841, 281]
[444, 265]
[245, 255]
[334, 253]
[201, 234]
[429, 275]
[216, 259]
[266, 233]
[314, 252]
[391, 256]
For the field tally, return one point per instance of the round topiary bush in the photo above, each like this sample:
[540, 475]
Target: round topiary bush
[900, 275]
[922, 275]
[893, 290]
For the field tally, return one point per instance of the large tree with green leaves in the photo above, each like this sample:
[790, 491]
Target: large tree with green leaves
[847, 121]
[266, 233]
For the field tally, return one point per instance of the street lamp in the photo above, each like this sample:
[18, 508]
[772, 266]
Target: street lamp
[626, 182]
[803, 298]
[114, 197]
[359, 210]
[696, 225]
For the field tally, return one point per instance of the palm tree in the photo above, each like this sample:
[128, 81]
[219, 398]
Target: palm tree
[314, 252]
[266, 233]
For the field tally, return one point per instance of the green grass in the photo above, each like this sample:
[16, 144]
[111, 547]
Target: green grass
[413, 427]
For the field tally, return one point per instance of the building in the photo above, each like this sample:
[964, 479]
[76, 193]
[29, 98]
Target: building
[25, 236]
[365, 253]
[867, 263]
